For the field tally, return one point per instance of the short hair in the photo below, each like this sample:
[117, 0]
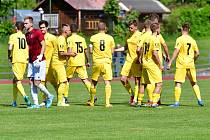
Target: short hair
[186, 27]
[101, 26]
[43, 22]
[30, 18]
[64, 26]
[73, 27]
[133, 22]
[147, 23]
[19, 25]
[154, 17]
[154, 27]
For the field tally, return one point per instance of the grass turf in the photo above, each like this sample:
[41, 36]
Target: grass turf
[120, 122]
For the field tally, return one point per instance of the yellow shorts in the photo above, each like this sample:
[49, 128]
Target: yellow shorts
[80, 70]
[131, 69]
[104, 69]
[180, 75]
[151, 75]
[49, 75]
[59, 73]
[19, 70]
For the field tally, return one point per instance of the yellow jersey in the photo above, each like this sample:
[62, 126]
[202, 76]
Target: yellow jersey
[187, 47]
[61, 47]
[20, 51]
[51, 43]
[132, 46]
[78, 45]
[102, 48]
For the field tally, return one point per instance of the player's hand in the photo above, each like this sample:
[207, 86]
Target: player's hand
[39, 57]
[168, 59]
[161, 67]
[137, 61]
[88, 65]
[36, 63]
[73, 54]
[168, 65]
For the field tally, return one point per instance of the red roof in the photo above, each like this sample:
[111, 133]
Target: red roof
[86, 4]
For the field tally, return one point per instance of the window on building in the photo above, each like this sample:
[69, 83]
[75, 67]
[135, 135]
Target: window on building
[91, 24]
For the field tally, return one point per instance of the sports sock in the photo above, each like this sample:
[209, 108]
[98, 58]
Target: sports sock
[150, 89]
[42, 94]
[44, 90]
[92, 94]
[34, 94]
[155, 98]
[66, 90]
[128, 88]
[21, 89]
[136, 90]
[88, 85]
[61, 91]
[197, 92]
[15, 91]
[108, 91]
[140, 97]
[177, 93]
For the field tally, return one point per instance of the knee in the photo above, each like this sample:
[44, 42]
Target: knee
[36, 83]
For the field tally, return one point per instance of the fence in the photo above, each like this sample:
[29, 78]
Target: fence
[202, 65]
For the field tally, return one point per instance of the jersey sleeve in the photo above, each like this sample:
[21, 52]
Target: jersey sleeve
[112, 43]
[195, 46]
[178, 44]
[84, 44]
[11, 40]
[162, 41]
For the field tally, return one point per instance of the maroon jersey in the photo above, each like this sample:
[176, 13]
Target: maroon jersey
[34, 39]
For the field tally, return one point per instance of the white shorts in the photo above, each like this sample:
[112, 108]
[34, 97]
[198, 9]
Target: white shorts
[37, 73]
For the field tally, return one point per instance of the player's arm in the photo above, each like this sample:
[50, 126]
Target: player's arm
[157, 59]
[165, 48]
[120, 49]
[10, 47]
[91, 48]
[196, 55]
[175, 54]
[86, 58]
[68, 53]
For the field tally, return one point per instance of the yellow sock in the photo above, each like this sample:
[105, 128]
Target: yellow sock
[15, 91]
[21, 89]
[92, 94]
[136, 91]
[197, 91]
[61, 91]
[140, 97]
[66, 92]
[155, 98]
[177, 93]
[150, 89]
[88, 85]
[108, 91]
[128, 88]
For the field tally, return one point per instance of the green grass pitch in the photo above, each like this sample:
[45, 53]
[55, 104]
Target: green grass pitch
[80, 122]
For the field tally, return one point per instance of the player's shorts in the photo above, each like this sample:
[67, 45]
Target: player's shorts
[151, 75]
[131, 69]
[49, 75]
[19, 70]
[59, 72]
[103, 69]
[180, 75]
[80, 70]
[38, 73]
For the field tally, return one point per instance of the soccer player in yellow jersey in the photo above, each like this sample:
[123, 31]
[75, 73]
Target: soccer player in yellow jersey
[103, 47]
[77, 45]
[186, 53]
[18, 55]
[51, 43]
[152, 66]
[58, 63]
[132, 66]
[154, 18]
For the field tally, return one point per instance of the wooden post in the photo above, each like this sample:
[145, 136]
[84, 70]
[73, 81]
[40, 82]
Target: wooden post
[79, 20]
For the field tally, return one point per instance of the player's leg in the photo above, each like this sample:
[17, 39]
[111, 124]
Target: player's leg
[15, 93]
[191, 74]
[92, 93]
[150, 88]
[179, 78]
[82, 74]
[136, 90]
[156, 94]
[125, 72]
